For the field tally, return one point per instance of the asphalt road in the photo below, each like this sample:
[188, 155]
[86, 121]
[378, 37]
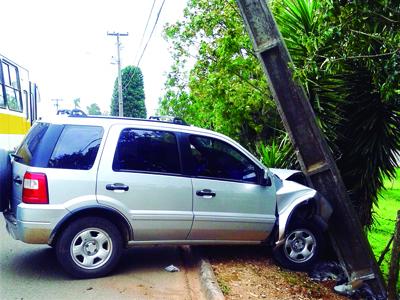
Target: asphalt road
[32, 272]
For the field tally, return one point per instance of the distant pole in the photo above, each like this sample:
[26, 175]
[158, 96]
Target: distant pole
[120, 102]
[56, 102]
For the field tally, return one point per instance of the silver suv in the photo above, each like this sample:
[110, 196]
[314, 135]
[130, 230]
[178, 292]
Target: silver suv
[91, 186]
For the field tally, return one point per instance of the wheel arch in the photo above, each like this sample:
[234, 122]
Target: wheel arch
[105, 212]
[316, 208]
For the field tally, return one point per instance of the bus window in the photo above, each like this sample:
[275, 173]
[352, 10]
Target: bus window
[2, 100]
[11, 81]
[26, 104]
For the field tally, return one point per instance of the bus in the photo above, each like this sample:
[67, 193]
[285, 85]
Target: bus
[18, 103]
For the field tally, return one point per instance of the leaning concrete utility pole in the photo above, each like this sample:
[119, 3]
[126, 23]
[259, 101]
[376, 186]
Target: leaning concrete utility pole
[120, 101]
[312, 151]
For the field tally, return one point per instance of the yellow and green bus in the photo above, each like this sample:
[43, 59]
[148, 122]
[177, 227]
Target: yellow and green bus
[18, 103]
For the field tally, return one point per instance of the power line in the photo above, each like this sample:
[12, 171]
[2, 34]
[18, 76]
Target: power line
[151, 33]
[148, 40]
[145, 29]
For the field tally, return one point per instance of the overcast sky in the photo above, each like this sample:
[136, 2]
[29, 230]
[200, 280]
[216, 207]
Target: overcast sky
[65, 47]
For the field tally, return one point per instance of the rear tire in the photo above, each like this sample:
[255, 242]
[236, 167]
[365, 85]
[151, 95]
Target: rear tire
[5, 180]
[89, 247]
[302, 248]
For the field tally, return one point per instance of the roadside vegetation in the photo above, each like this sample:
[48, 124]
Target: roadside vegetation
[385, 217]
[132, 93]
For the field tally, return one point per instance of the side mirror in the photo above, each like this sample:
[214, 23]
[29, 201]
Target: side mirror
[264, 179]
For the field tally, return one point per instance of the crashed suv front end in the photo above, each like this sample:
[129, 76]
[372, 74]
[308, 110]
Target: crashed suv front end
[292, 193]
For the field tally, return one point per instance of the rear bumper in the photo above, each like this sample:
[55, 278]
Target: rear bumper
[28, 232]
[34, 231]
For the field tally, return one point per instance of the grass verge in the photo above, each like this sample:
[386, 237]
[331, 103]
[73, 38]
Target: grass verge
[382, 230]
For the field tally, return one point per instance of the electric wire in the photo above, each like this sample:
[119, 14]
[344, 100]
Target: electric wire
[148, 40]
[145, 29]
[151, 33]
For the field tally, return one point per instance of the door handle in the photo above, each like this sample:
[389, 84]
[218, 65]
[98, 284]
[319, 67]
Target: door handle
[206, 193]
[17, 180]
[117, 187]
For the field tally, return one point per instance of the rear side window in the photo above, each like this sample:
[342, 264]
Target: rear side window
[30, 145]
[147, 151]
[76, 148]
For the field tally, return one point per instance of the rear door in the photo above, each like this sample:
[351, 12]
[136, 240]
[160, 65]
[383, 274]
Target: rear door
[140, 174]
[228, 202]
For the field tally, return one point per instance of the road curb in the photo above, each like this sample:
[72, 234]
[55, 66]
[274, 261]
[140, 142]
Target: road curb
[194, 259]
[209, 282]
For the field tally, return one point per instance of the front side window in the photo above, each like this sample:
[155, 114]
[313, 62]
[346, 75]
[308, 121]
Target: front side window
[217, 159]
[146, 151]
[76, 148]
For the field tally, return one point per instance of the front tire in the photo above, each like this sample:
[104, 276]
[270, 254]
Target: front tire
[89, 247]
[302, 247]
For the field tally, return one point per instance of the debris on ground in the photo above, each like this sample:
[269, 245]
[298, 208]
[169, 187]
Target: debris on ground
[325, 271]
[172, 268]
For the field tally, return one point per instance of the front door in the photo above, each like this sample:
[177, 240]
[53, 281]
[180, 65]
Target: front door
[228, 202]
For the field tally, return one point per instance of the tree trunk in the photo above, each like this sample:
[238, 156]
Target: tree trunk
[394, 261]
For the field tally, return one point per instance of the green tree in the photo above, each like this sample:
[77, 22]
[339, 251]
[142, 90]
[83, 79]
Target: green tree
[93, 109]
[77, 103]
[132, 94]
[225, 89]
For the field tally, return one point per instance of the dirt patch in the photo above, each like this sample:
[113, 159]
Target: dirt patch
[250, 273]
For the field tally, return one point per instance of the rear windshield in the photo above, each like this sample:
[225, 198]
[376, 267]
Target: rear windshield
[76, 148]
[60, 146]
[29, 147]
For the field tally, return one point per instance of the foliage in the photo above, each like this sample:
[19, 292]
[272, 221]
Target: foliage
[77, 103]
[225, 89]
[132, 94]
[277, 154]
[225, 288]
[382, 229]
[93, 109]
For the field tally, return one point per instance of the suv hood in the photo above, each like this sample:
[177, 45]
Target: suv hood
[290, 193]
[284, 173]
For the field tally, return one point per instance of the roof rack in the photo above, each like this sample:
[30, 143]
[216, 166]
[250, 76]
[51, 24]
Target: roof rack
[72, 113]
[169, 119]
[162, 119]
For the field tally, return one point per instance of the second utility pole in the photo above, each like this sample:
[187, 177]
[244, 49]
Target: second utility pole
[120, 102]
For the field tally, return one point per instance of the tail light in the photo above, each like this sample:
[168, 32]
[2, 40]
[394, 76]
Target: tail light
[35, 189]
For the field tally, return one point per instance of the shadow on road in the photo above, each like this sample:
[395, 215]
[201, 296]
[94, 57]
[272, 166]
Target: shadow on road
[42, 262]
[36, 263]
